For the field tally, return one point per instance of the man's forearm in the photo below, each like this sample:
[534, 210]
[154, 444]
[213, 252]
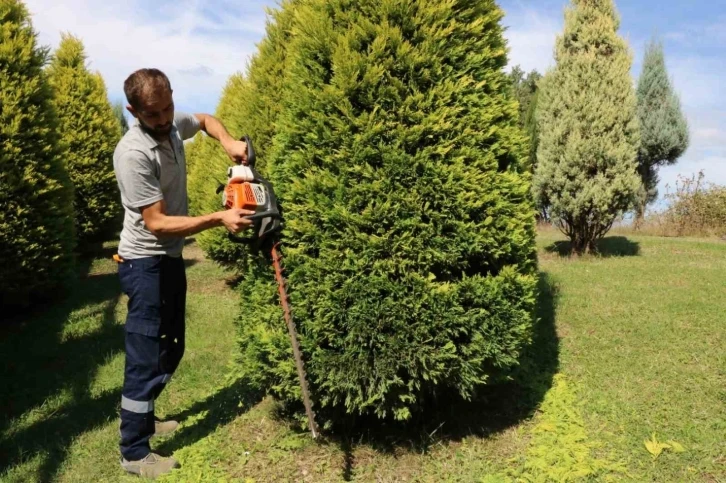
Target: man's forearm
[236, 149]
[183, 226]
[214, 128]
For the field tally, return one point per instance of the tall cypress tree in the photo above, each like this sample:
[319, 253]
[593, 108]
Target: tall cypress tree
[525, 88]
[404, 178]
[36, 196]
[588, 128]
[90, 132]
[525, 91]
[664, 128]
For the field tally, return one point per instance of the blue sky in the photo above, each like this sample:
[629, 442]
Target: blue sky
[201, 43]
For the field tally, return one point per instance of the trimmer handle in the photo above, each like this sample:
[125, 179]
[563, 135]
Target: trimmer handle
[250, 151]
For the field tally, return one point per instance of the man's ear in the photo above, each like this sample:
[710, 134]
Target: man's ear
[131, 110]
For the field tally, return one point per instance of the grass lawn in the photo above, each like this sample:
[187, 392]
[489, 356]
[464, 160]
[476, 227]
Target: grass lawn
[630, 345]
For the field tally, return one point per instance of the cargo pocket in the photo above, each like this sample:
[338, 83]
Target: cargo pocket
[140, 280]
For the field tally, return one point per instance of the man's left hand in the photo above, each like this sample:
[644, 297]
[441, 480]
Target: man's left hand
[237, 151]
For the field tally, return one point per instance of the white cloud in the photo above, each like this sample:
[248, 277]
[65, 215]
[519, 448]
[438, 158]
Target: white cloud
[531, 38]
[710, 34]
[709, 134]
[678, 36]
[698, 79]
[197, 52]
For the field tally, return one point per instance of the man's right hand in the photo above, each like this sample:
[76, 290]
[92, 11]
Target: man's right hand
[234, 219]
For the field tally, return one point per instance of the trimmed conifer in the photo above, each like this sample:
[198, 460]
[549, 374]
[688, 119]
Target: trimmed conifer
[37, 238]
[404, 179]
[249, 105]
[120, 112]
[90, 132]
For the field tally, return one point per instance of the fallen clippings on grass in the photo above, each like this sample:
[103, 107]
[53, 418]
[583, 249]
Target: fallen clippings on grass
[655, 448]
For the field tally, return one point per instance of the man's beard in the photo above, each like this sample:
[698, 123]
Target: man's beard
[157, 132]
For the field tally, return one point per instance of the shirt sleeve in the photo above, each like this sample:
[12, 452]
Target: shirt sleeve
[187, 124]
[138, 180]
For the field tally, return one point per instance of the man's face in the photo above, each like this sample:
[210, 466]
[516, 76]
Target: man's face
[156, 112]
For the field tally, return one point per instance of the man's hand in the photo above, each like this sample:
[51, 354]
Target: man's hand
[236, 150]
[234, 219]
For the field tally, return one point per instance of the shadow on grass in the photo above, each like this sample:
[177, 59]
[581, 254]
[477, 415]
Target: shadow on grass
[612, 246]
[48, 354]
[54, 350]
[449, 419]
[217, 410]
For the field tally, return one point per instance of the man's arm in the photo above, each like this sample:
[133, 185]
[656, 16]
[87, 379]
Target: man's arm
[162, 225]
[141, 189]
[236, 150]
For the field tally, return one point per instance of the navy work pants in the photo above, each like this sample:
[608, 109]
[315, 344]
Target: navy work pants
[156, 287]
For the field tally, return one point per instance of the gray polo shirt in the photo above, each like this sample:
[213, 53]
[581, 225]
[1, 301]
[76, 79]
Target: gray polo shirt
[147, 171]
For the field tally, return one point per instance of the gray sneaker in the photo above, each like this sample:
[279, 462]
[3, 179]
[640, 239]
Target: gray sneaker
[151, 466]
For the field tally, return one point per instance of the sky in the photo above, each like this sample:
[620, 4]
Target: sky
[199, 44]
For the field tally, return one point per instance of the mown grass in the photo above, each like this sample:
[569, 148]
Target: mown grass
[630, 343]
[62, 371]
[644, 336]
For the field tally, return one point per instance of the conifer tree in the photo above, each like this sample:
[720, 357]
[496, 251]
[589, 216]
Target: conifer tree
[525, 91]
[37, 238]
[663, 127]
[90, 132]
[588, 127]
[405, 183]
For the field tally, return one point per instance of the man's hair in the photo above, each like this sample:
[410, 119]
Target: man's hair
[143, 81]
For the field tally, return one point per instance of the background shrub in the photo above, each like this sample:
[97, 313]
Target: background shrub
[37, 238]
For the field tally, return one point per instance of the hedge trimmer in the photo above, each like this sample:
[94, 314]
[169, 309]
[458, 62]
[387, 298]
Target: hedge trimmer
[247, 190]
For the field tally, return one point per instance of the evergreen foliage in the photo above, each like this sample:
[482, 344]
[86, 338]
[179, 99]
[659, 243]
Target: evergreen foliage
[37, 238]
[526, 92]
[90, 131]
[120, 111]
[525, 89]
[663, 127]
[409, 238]
[249, 105]
[588, 128]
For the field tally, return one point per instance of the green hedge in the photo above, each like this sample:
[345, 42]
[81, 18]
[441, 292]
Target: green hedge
[90, 131]
[405, 183]
[207, 168]
[36, 196]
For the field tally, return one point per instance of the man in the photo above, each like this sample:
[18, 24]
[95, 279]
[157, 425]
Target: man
[150, 168]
